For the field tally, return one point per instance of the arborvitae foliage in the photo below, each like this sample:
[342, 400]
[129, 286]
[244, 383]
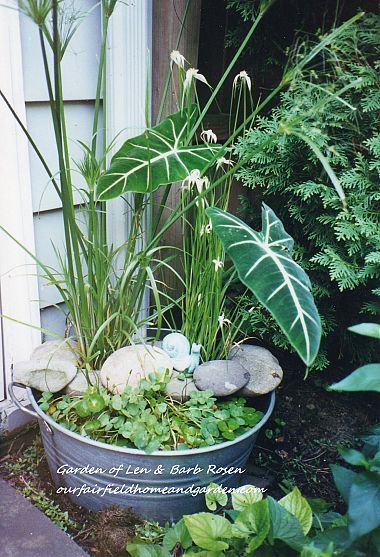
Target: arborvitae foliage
[334, 107]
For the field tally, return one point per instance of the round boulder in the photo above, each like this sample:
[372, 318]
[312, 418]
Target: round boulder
[265, 373]
[128, 365]
[223, 377]
[78, 386]
[38, 375]
[180, 389]
[53, 350]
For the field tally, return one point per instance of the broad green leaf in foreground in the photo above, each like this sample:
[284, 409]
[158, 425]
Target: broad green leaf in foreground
[365, 378]
[284, 526]
[177, 534]
[246, 496]
[156, 157]
[146, 550]
[343, 478]
[208, 531]
[298, 506]
[364, 505]
[264, 264]
[253, 524]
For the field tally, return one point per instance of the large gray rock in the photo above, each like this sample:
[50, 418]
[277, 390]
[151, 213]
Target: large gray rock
[56, 350]
[180, 389]
[79, 384]
[264, 369]
[38, 375]
[223, 377]
[128, 365]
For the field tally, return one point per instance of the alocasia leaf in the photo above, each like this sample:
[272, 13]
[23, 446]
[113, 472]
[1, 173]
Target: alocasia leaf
[264, 264]
[208, 530]
[156, 157]
[298, 506]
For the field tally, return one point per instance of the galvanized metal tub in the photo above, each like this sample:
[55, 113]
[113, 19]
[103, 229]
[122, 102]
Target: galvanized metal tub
[144, 490]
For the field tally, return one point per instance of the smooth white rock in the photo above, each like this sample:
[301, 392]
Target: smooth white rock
[56, 350]
[264, 369]
[128, 365]
[79, 384]
[223, 377]
[180, 389]
[52, 377]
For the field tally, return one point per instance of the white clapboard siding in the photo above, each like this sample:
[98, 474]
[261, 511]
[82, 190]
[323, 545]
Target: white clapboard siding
[79, 84]
[79, 65]
[79, 128]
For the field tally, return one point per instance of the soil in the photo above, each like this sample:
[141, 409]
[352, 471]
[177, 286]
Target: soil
[296, 448]
[307, 426]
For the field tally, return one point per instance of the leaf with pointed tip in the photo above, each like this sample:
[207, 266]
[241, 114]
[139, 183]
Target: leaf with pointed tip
[156, 157]
[365, 378]
[264, 264]
[366, 329]
[298, 506]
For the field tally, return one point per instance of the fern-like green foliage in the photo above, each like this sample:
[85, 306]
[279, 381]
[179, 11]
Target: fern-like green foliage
[333, 106]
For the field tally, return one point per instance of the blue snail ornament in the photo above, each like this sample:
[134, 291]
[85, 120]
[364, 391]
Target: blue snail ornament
[177, 347]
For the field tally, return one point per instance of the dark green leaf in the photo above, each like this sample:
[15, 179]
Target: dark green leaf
[343, 479]
[284, 526]
[352, 456]
[264, 264]
[156, 157]
[364, 504]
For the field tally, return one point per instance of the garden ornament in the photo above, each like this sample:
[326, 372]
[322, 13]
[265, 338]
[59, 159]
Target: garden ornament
[177, 347]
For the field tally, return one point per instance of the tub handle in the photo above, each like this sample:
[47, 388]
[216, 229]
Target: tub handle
[15, 400]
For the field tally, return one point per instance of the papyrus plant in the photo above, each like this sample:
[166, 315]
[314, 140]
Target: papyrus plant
[103, 287]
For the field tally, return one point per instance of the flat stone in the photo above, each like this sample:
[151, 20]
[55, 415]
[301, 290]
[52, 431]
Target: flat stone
[131, 364]
[56, 350]
[79, 384]
[180, 389]
[223, 377]
[264, 369]
[26, 532]
[39, 375]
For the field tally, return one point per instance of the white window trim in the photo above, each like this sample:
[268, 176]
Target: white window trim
[128, 76]
[18, 280]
